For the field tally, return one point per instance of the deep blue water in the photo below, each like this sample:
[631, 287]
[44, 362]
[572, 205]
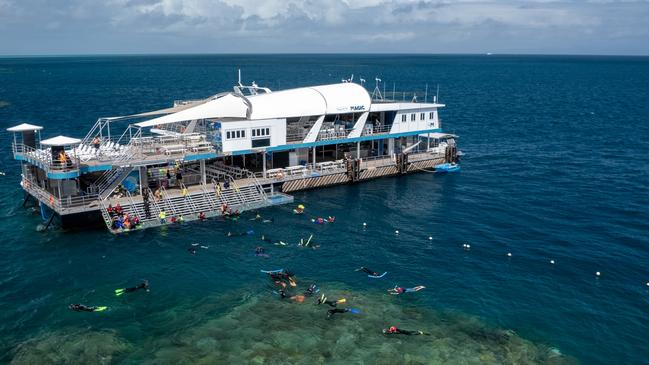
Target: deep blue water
[556, 168]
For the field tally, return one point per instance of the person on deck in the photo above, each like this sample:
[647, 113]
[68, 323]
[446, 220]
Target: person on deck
[96, 142]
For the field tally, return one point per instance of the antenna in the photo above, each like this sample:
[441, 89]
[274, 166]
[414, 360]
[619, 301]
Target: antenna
[437, 95]
[426, 94]
[377, 91]
[240, 84]
[351, 79]
[362, 81]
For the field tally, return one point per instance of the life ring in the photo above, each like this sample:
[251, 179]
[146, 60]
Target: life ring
[280, 175]
[26, 183]
[51, 200]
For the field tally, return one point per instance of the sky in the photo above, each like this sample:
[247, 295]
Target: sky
[59, 27]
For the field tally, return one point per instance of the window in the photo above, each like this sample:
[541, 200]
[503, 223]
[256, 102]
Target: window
[422, 116]
[261, 132]
[412, 117]
[403, 118]
[431, 115]
[235, 134]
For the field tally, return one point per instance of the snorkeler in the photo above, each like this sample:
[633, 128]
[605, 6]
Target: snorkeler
[331, 312]
[318, 220]
[235, 234]
[261, 252]
[399, 290]
[85, 308]
[282, 278]
[274, 242]
[309, 292]
[143, 285]
[299, 209]
[393, 330]
[331, 303]
[368, 271]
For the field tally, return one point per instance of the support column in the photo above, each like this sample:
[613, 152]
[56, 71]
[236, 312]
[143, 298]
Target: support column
[144, 179]
[203, 176]
[428, 143]
[313, 156]
[358, 149]
[264, 163]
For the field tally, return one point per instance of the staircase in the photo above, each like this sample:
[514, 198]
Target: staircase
[200, 199]
[110, 180]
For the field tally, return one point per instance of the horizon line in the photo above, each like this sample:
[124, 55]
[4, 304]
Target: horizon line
[63, 55]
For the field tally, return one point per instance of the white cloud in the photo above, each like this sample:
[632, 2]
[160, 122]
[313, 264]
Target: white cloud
[327, 25]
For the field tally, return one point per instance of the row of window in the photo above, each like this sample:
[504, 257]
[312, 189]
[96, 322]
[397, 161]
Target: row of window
[241, 133]
[235, 134]
[413, 116]
[260, 132]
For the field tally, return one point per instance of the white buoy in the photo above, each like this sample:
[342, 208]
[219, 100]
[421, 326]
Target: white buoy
[648, 283]
[430, 238]
[396, 232]
[598, 273]
[509, 254]
[364, 224]
[552, 262]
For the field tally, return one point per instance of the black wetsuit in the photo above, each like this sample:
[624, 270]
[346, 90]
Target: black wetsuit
[81, 308]
[369, 272]
[144, 285]
[403, 332]
[310, 291]
[331, 312]
[331, 303]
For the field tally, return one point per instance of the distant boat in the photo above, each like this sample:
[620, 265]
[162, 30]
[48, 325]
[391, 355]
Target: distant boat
[489, 53]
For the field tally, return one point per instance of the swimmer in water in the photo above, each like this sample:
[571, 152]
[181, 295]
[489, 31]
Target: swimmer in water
[261, 252]
[368, 271]
[393, 330]
[283, 278]
[399, 290]
[274, 242]
[332, 303]
[331, 312]
[85, 308]
[236, 234]
[143, 285]
[309, 292]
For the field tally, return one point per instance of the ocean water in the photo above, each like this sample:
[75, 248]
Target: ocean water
[556, 168]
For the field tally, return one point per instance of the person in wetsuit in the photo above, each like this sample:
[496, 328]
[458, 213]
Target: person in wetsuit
[399, 290]
[85, 308]
[331, 312]
[143, 285]
[283, 278]
[332, 303]
[368, 271]
[393, 330]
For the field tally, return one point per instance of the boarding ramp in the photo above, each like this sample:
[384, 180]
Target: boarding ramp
[188, 202]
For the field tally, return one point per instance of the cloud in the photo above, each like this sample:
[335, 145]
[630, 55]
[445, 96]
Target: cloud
[540, 26]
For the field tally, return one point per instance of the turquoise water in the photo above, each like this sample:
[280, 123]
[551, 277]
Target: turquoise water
[556, 168]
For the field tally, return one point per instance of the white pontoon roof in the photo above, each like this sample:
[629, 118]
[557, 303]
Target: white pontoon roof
[305, 101]
[25, 127]
[60, 141]
[227, 106]
[438, 135]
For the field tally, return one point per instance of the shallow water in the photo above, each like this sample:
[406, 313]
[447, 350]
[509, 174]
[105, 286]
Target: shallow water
[556, 169]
